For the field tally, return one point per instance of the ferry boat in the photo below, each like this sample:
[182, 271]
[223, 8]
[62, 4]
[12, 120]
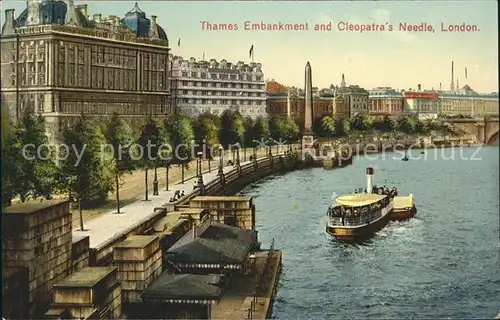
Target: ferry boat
[357, 217]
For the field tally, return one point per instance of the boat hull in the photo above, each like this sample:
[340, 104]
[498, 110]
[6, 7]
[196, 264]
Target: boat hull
[402, 214]
[357, 234]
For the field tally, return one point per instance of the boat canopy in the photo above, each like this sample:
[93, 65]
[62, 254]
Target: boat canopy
[359, 199]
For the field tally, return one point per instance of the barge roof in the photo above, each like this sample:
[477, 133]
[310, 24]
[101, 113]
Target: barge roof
[358, 199]
[403, 202]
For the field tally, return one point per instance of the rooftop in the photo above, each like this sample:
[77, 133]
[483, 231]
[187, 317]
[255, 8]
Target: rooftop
[31, 206]
[358, 199]
[136, 242]
[402, 202]
[215, 244]
[184, 286]
[86, 277]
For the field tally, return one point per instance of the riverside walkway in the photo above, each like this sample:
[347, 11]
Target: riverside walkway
[111, 224]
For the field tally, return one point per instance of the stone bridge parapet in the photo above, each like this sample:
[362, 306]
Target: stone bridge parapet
[485, 129]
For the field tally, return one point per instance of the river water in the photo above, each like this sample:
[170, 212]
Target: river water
[444, 263]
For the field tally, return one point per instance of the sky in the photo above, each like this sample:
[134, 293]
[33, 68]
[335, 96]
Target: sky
[397, 59]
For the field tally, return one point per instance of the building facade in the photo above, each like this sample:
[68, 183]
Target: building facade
[355, 98]
[467, 102]
[424, 105]
[215, 86]
[385, 101]
[291, 104]
[59, 63]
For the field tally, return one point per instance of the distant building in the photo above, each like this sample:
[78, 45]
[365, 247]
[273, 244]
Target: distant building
[291, 104]
[356, 99]
[214, 86]
[59, 63]
[467, 102]
[385, 101]
[273, 87]
[421, 104]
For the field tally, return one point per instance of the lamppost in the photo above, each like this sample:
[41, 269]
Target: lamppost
[238, 156]
[199, 159]
[155, 181]
[256, 144]
[209, 155]
[167, 169]
[221, 162]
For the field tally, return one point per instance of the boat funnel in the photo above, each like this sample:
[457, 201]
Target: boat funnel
[369, 176]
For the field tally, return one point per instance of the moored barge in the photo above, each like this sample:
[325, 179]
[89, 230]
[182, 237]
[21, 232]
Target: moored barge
[404, 208]
[356, 217]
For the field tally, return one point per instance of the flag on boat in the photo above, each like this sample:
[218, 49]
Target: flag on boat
[250, 53]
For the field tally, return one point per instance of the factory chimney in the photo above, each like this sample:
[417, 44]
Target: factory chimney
[452, 86]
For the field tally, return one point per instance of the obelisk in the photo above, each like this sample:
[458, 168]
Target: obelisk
[307, 134]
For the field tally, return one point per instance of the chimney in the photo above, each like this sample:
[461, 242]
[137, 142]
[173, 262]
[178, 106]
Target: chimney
[97, 17]
[70, 13]
[369, 176]
[83, 9]
[419, 86]
[452, 87]
[8, 27]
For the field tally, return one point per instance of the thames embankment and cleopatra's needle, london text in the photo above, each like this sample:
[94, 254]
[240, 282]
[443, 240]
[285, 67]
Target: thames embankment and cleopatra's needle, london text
[339, 26]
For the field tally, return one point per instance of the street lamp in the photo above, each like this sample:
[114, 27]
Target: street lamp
[221, 163]
[155, 181]
[238, 156]
[199, 157]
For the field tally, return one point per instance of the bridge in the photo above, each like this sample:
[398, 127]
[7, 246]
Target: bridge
[485, 129]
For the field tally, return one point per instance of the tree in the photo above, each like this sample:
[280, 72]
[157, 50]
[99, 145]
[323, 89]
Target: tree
[406, 125]
[360, 122]
[11, 160]
[328, 125]
[119, 136]
[149, 142]
[232, 128]
[180, 130]
[38, 172]
[389, 123]
[343, 127]
[291, 130]
[275, 127]
[85, 171]
[249, 134]
[261, 129]
[207, 127]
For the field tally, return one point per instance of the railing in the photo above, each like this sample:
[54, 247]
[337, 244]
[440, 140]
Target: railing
[264, 277]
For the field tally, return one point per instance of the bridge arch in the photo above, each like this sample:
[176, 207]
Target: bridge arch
[493, 139]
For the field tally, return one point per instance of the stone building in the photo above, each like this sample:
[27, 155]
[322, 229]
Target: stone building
[385, 101]
[58, 62]
[421, 104]
[467, 102]
[292, 104]
[356, 99]
[215, 86]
